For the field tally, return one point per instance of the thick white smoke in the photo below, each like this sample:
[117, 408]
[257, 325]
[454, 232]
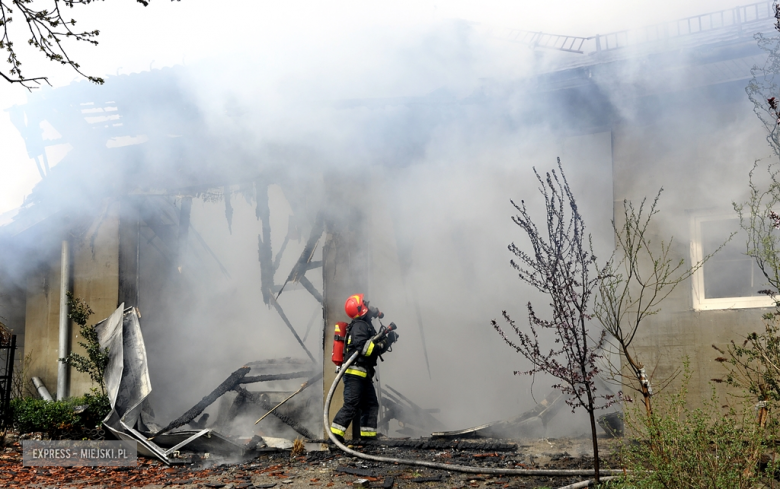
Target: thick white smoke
[442, 127]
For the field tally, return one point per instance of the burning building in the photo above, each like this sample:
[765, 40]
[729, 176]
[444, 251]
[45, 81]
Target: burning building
[238, 233]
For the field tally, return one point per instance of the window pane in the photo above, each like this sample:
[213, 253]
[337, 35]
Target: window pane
[729, 273]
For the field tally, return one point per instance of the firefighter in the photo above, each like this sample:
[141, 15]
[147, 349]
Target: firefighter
[359, 394]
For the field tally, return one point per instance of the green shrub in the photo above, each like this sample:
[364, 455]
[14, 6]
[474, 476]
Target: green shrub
[96, 361]
[56, 417]
[39, 415]
[98, 409]
[709, 447]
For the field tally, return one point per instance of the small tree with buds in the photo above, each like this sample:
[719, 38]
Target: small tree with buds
[754, 364]
[762, 89]
[757, 217]
[562, 266]
[640, 275]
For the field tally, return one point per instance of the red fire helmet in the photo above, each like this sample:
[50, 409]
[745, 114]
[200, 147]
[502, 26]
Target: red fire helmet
[355, 306]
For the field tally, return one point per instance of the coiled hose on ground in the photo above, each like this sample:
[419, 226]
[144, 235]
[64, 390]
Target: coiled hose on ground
[441, 466]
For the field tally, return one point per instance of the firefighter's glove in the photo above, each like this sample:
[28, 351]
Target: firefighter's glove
[392, 337]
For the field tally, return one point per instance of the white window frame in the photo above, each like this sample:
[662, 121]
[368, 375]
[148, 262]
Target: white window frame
[700, 303]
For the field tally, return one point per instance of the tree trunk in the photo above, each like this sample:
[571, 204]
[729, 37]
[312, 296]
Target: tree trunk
[592, 416]
[763, 414]
[646, 395]
[645, 392]
[590, 407]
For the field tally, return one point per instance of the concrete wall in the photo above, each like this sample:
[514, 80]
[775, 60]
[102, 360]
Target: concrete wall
[41, 334]
[700, 152]
[95, 279]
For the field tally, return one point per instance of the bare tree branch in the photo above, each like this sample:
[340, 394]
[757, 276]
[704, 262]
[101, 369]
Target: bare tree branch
[47, 31]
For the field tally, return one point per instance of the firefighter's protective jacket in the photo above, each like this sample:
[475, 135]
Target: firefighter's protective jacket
[359, 335]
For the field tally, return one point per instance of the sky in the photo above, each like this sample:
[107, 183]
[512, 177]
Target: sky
[297, 39]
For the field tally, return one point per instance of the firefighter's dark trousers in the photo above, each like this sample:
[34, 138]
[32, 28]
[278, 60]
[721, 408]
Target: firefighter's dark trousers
[358, 394]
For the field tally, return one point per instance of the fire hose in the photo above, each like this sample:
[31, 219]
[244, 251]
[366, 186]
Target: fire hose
[443, 466]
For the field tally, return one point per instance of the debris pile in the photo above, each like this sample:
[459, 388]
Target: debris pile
[132, 418]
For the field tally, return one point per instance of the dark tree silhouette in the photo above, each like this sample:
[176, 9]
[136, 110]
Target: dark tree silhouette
[563, 266]
[47, 30]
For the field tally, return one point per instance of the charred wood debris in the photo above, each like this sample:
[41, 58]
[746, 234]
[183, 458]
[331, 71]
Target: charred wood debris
[237, 401]
[301, 412]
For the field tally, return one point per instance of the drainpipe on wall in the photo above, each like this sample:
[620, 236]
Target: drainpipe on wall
[42, 390]
[62, 368]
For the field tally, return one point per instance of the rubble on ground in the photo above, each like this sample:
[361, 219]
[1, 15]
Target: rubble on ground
[320, 466]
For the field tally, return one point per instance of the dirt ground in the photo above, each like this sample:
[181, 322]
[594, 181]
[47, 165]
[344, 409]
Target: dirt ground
[326, 467]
